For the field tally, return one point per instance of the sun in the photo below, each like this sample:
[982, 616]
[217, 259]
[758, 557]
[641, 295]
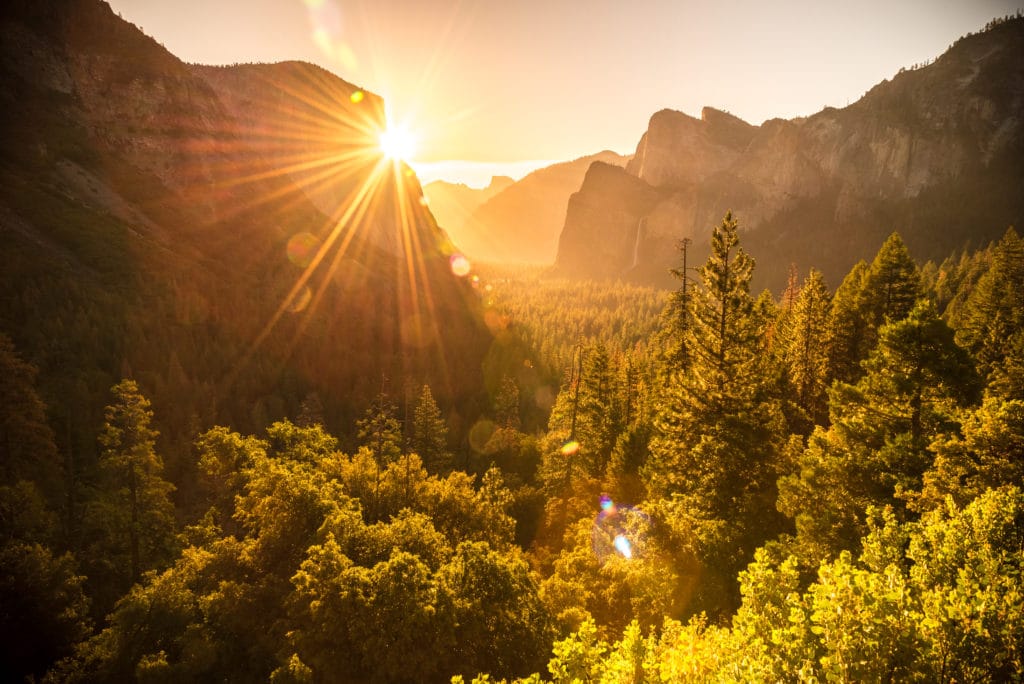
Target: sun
[397, 143]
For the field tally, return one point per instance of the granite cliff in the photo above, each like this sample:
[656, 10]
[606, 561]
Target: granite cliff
[937, 153]
[521, 223]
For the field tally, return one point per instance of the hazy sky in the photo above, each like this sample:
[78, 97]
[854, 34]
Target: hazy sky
[518, 80]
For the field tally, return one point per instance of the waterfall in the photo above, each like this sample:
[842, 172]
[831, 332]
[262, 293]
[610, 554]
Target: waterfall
[636, 243]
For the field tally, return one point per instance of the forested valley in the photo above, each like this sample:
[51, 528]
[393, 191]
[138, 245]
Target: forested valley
[711, 484]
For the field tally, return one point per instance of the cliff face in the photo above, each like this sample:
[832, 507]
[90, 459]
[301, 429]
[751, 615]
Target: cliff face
[522, 222]
[934, 153]
[161, 217]
[319, 132]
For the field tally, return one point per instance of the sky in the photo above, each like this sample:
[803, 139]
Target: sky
[505, 86]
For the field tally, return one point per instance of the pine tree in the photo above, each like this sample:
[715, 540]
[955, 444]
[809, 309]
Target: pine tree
[718, 431]
[27, 448]
[380, 430]
[868, 298]
[138, 520]
[848, 337]
[883, 430]
[506, 404]
[892, 284]
[807, 353]
[599, 422]
[676, 320]
[993, 318]
[430, 434]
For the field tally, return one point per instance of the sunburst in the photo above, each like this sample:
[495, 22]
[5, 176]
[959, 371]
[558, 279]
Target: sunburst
[398, 143]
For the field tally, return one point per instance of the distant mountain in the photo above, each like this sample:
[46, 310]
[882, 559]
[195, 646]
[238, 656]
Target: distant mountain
[229, 236]
[936, 153]
[453, 203]
[522, 222]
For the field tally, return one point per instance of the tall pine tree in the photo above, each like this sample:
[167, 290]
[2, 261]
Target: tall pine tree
[713, 457]
[130, 521]
[430, 434]
[807, 352]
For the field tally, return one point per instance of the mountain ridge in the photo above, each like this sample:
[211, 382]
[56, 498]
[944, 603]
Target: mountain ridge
[521, 222]
[232, 264]
[824, 190]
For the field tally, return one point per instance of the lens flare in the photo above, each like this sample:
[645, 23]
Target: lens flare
[570, 448]
[618, 531]
[623, 546]
[480, 434]
[544, 397]
[356, 97]
[460, 265]
[301, 248]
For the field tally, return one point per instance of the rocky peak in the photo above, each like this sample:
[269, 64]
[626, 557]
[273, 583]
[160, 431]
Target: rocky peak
[935, 153]
[678, 150]
[726, 129]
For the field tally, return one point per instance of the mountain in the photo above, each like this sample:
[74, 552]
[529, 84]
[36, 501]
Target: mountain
[936, 153]
[522, 222]
[228, 236]
[453, 203]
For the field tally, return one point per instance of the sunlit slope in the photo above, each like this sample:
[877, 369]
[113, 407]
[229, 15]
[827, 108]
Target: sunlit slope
[232, 237]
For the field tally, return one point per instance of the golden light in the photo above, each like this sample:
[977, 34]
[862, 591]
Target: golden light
[398, 143]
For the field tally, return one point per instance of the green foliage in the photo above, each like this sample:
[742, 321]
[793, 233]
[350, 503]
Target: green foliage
[430, 434]
[129, 521]
[868, 298]
[45, 611]
[380, 431]
[621, 316]
[880, 442]
[806, 348]
[27, 448]
[937, 600]
[993, 318]
[989, 453]
[718, 434]
[308, 583]
[302, 563]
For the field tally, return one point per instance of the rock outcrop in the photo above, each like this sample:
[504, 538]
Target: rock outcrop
[521, 224]
[936, 153]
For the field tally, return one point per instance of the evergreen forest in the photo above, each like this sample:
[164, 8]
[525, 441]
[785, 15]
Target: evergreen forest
[707, 484]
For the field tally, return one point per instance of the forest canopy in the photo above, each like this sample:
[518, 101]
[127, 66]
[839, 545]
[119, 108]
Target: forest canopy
[713, 484]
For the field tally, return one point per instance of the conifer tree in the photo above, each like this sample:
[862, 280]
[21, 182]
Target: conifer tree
[848, 337]
[882, 434]
[430, 434]
[807, 353]
[676, 319]
[869, 297]
[135, 515]
[892, 283]
[718, 432]
[506, 404]
[598, 422]
[27, 449]
[993, 319]
[380, 430]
